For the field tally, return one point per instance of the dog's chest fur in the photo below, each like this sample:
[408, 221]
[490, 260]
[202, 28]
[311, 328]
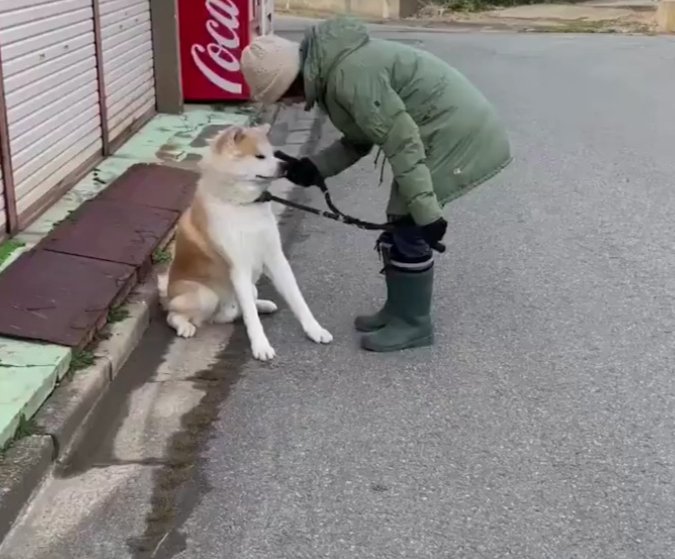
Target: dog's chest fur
[245, 232]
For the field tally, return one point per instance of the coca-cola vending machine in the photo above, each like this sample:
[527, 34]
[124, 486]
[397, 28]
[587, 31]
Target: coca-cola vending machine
[212, 35]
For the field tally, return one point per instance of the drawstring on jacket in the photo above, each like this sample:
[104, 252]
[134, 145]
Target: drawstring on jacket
[384, 160]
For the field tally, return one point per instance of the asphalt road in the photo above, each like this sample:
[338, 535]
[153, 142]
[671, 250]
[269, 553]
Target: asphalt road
[542, 423]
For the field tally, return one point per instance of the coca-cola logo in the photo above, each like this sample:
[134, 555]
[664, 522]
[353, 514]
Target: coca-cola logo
[223, 27]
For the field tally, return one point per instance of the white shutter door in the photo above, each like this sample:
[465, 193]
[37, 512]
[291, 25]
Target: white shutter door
[128, 65]
[51, 93]
[3, 217]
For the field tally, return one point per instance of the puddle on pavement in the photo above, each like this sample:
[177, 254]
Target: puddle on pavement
[94, 449]
[179, 484]
[160, 414]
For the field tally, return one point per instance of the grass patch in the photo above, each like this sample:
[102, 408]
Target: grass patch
[25, 428]
[102, 335]
[117, 314]
[161, 256]
[84, 358]
[464, 5]
[580, 26]
[475, 5]
[8, 248]
[81, 360]
[68, 218]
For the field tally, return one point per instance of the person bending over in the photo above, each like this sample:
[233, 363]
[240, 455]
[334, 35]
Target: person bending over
[438, 132]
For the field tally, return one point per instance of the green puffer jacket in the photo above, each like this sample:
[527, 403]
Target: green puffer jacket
[438, 132]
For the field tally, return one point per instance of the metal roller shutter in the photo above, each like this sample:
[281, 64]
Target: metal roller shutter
[51, 94]
[4, 143]
[3, 219]
[128, 65]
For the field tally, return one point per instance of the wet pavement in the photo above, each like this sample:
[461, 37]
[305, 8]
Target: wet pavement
[539, 425]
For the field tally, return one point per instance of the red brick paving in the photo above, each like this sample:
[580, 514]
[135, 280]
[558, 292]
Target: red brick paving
[59, 298]
[117, 231]
[61, 291]
[153, 185]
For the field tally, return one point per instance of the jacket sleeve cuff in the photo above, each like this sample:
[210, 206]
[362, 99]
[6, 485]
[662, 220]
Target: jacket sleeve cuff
[425, 209]
[338, 156]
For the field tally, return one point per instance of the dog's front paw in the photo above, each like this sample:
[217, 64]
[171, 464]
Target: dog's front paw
[266, 307]
[318, 334]
[183, 327]
[186, 330]
[262, 350]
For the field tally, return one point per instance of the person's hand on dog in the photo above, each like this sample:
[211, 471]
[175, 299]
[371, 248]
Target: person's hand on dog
[299, 171]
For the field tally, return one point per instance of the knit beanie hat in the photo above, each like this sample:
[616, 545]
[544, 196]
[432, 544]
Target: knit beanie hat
[270, 65]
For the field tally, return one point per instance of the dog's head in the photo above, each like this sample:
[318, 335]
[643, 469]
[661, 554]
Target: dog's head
[240, 164]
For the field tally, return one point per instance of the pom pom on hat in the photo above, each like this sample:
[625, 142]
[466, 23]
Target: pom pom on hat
[270, 65]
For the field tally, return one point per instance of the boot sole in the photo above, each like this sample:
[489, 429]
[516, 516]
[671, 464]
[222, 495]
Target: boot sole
[424, 341]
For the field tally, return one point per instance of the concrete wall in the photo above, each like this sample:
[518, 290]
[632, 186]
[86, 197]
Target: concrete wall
[168, 86]
[385, 9]
[665, 16]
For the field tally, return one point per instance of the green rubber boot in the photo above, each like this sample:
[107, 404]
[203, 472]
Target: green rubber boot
[372, 322]
[408, 320]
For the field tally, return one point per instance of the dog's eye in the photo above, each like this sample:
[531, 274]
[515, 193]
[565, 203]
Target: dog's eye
[260, 156]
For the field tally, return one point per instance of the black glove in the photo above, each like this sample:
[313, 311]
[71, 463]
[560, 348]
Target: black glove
[299, 171]
[434, 232]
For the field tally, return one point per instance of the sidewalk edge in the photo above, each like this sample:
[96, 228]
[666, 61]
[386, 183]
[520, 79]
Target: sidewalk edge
[63, 417]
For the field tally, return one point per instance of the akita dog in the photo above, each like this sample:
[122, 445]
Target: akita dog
[227, 239]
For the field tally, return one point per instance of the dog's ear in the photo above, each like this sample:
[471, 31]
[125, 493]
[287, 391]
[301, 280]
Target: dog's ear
[238, 135]
[231, 136]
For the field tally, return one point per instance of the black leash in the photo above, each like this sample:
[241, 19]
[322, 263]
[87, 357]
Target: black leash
[335, 214]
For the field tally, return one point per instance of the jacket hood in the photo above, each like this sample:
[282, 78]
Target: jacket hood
[324, 46]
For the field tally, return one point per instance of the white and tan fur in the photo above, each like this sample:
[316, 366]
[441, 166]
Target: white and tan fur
[225, 241]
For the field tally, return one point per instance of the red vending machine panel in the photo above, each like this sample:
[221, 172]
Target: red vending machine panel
[213, 34]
